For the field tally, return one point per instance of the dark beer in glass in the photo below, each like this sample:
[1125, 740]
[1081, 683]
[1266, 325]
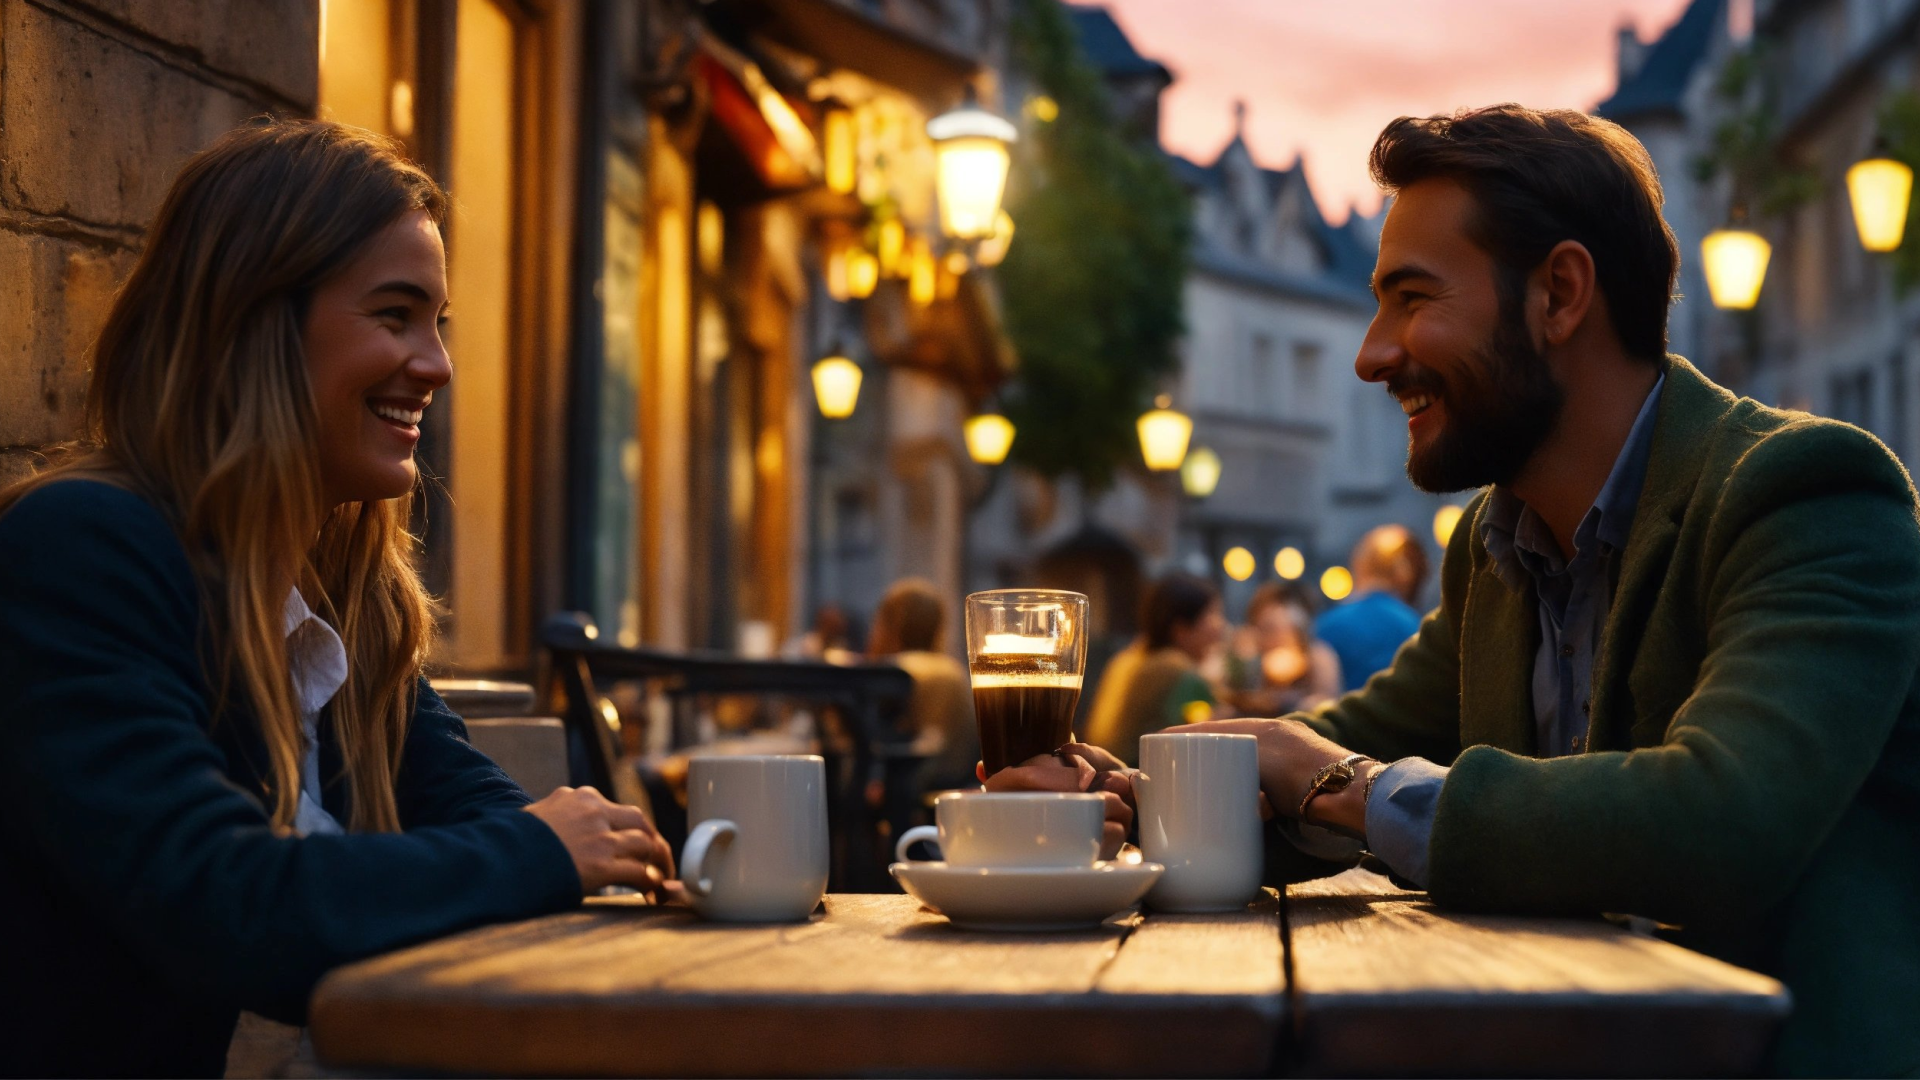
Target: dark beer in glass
[1026, 650]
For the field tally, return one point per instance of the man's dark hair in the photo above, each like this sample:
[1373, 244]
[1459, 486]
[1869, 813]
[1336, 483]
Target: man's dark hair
[1173, 601]
[1542, 176]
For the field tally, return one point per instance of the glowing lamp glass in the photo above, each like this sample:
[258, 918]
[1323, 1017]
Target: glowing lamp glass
[1736, 264]
[1200, 472]
[1337, 583]
[863, 273]
[1289, 563]
[1238, 564]
[843, 169]
[836, 386]
[1881, 189]
[970, 171]
[1163, 438]
[989, 436]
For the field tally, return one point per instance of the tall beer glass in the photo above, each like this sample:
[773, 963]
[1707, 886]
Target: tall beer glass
[1026, 649]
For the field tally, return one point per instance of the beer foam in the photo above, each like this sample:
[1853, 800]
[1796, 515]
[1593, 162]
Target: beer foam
[1025, 680]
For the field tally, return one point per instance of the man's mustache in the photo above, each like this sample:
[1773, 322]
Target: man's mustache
[1413, 379]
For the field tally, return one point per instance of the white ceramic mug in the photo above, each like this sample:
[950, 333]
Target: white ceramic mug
[1200, 818]
[758, 848]
[1013, 828]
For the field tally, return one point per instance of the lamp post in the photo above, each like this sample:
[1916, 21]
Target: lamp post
[989, 436]
[1880, 189]
[836, 385]
[1200, 472]
[1163, 435]
[971, 149]
[1735, 259]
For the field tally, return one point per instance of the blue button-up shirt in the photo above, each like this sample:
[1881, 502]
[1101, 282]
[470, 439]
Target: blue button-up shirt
[1574, 597]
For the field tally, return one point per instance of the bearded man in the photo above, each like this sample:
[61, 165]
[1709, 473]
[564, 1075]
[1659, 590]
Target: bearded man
[1672, 673]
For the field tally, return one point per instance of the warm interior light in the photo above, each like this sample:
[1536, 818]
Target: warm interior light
[1337, 583]
[1881, 189]
[1736, 264]
[839, 284]
[1238, 564]
[1163, 438]
[989, 437]
[1200, 472]
[863, 273]
[712, 228]
[892, 242]
[1444, 520]
[993, 249]
[836, 385]
[923, 279]
[971, 159]
[841, 152]
[1289, 563]
[400, 109]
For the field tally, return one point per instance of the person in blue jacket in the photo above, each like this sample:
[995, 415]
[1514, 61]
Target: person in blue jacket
[1389, 566]
[221, 772]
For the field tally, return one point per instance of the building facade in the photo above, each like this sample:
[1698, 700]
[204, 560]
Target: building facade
[1834, 330]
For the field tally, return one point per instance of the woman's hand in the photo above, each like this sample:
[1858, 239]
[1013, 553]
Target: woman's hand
[611, 843]
[1076, 767]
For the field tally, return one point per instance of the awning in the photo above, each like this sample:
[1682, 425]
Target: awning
[843, 37]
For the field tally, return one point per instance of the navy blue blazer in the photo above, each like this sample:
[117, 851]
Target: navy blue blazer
[144, 898]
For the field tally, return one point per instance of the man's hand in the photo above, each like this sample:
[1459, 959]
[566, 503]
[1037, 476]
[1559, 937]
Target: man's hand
[1075, 767]
[1291, 753]
[611, 843]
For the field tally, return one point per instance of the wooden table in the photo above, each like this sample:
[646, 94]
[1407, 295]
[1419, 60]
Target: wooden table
[1353, 977]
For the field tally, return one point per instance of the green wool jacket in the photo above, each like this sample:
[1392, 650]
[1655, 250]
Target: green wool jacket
[1753, 764]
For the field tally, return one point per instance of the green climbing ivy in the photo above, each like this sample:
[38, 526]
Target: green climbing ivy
[1093, 283]
[1742, 145]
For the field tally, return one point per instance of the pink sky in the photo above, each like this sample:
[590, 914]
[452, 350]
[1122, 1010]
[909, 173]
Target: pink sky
[1322, 77]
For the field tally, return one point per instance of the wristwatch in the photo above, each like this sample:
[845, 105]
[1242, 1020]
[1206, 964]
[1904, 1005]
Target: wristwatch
[1331, 778]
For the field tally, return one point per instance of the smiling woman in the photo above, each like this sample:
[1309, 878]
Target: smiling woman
[221, 772]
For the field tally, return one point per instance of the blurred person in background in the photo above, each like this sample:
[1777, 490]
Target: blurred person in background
[831, 639]
[1277, 665]
[908, 630]
[1389, 567]
[1154, 683]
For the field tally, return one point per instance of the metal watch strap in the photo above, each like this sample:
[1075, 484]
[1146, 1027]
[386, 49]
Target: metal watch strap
[1343, 768]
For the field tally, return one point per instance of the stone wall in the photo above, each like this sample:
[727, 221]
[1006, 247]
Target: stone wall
[100, 103]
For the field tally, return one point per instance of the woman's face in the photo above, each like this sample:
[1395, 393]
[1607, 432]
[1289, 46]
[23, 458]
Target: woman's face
[374, 357]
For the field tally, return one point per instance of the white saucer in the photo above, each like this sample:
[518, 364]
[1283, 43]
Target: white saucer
[1027, 898]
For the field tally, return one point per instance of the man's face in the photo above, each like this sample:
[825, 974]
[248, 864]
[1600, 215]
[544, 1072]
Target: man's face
[1463, 365]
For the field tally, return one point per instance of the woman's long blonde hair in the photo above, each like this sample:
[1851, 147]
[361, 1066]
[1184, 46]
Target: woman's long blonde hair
[200, 401]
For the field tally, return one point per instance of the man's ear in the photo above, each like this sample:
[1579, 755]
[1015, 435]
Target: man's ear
[1566, 277]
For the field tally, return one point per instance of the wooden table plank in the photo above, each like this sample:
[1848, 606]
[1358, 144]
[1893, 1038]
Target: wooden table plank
[876, 985]
[1385, 983]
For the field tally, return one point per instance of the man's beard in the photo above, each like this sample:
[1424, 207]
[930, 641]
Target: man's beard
[1499, 409]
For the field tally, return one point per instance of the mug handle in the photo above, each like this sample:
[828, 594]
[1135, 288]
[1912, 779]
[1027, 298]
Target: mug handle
[911, 837]
[695, 853]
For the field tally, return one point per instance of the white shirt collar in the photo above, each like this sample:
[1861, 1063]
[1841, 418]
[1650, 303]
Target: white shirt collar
[316, 657]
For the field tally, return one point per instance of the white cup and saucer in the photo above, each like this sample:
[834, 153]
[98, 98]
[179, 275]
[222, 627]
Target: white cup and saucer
[1020, 861]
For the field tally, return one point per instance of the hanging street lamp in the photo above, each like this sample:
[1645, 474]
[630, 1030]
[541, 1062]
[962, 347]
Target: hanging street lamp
[1238, 564]
[1200, 473]
[1735, 259]
[1289, 563]
[1163, 435]
[971, 149]
[989, 436]
[836, 385]
[1881, 189]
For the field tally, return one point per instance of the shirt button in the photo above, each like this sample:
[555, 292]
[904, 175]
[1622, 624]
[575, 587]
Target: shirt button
[1586, 708]
[1566, 651]
[1579, 743]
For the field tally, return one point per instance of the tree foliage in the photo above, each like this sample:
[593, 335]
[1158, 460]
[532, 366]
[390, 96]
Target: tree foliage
[1093, 282]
